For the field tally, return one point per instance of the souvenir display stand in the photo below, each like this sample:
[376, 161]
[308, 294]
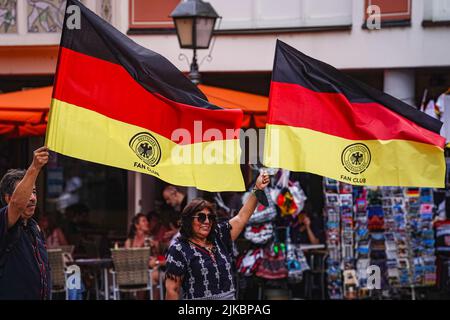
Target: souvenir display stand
[380, 241]
[271, 256]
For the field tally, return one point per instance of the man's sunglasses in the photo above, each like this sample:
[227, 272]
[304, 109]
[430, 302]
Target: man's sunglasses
[201, 217]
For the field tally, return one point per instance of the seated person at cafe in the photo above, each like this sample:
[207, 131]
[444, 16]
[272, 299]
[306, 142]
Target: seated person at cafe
[76, 224]
[161, 228]
[138, 233]
[306, 229]
[139, 237]
[54, 236]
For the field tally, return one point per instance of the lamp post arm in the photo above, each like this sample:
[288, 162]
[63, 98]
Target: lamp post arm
[194, 74]
[182, 57]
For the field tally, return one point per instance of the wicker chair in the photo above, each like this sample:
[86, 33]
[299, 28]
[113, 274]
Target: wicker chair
[58, 272]
[131, 272]
[67, 253]
[66, 249]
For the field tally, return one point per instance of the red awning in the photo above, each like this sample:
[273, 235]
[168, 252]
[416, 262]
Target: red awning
[25, 113]
[253, 106]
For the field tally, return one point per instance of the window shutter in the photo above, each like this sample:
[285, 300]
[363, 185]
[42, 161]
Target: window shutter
[146, 14]
[398, 10]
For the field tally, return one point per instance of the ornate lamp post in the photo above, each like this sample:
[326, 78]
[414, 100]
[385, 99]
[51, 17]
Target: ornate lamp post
[194, 22]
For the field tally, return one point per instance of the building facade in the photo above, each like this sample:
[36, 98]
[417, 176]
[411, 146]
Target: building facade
[406, 54]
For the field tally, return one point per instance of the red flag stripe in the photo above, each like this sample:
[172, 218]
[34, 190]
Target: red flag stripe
[108, 89]
[332, 113]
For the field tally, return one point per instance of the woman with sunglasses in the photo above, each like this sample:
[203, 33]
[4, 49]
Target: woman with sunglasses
[199, 263]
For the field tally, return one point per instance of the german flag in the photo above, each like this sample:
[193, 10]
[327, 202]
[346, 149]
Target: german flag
[325, 122]
[120, 104]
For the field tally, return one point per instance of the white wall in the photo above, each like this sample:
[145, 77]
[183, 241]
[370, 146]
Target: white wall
[405, 47]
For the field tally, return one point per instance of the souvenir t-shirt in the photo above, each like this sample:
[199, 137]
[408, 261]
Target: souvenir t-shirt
[430, 109]
[206, 275]
[443, 104]
[443, 237]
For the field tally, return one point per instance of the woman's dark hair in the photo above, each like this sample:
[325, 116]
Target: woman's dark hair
[134, 222]
[191, 210]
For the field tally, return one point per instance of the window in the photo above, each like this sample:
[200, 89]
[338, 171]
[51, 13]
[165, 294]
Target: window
[437, 11]
[242, 15]
[40, 22]
[441, 10]
[154, 14]
[392, 12]
[8, 16]
[268, 14]
[45, 15]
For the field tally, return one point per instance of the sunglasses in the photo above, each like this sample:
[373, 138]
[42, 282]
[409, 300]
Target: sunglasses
[201, 217]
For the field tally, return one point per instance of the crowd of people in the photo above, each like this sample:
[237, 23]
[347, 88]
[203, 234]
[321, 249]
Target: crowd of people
[191, 244]
[157, 230]
[73, 227]
[195, 241]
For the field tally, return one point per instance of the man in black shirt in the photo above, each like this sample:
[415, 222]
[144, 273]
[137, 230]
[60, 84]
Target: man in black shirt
[307, 232]
[24, 267]
[175, 198]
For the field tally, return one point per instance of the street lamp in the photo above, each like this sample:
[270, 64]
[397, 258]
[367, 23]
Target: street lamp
[194, 22]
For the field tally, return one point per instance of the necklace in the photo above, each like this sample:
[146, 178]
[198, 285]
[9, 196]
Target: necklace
[210, 250]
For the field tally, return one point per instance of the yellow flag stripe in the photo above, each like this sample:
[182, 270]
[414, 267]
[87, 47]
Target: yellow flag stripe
[87, 135]
[388, 162]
